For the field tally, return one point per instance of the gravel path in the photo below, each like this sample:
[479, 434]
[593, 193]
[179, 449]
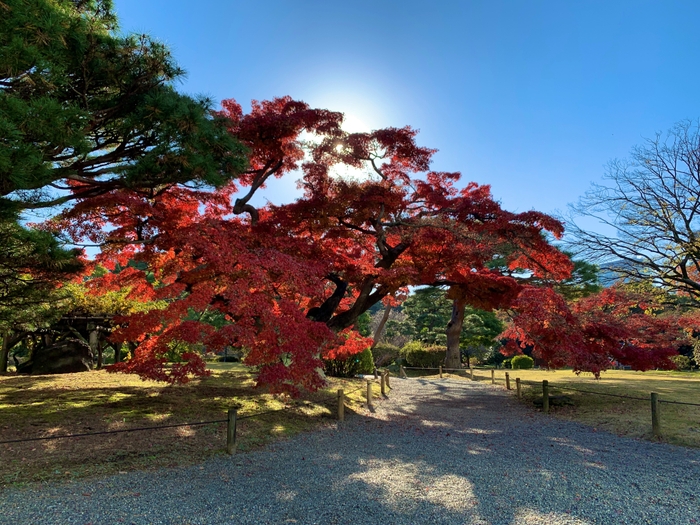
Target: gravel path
[437, 451]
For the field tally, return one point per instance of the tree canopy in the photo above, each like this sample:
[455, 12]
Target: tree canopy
[84, 110]
[31, 263]
[293, 279]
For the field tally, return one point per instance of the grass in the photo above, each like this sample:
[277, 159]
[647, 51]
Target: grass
[34, 406]
[680, 424]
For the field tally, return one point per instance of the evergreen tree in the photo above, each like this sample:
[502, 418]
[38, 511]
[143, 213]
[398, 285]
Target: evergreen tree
[85, 111]
[428, 311]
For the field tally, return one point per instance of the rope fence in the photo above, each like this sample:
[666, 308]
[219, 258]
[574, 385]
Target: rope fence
[120, 431]
[598, 393]
[231, 420]
[679, 403]
[384, 381]
[653, 397]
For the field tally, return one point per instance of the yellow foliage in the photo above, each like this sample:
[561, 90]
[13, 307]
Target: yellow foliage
[118, 302]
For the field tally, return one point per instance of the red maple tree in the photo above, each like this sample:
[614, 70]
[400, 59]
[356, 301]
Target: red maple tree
[288, 282]
[594, 333]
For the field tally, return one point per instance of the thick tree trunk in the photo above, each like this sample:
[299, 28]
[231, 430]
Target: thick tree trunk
[380, 328]
[325, 312]
[454, 330]
[4, 352]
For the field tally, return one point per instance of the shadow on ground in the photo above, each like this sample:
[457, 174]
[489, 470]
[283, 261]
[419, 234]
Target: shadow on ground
[434, 452]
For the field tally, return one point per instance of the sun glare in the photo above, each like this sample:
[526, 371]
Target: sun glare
[360, 115]
[354, 124]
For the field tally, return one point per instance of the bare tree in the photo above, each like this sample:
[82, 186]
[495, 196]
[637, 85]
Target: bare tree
[652, 201]
[393, 333]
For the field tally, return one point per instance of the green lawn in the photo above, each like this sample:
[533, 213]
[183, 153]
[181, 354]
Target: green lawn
[680, 424]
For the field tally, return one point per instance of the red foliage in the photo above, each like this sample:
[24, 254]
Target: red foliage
[352, 343]
[291, 280]
[593, 333]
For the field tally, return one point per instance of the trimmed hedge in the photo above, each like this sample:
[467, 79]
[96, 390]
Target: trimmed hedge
[522, 362]
[385, 354]
[418, 355]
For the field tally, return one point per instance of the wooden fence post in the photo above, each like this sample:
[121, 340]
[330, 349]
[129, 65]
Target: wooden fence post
[369, 394]
[545, 396]
[231, 431]
[388, 385]
[517, 386]
[341, 405]
[382, 384]
[507, 381]
[493, 377]
[440, 371]
[655, 422]
[402, 371]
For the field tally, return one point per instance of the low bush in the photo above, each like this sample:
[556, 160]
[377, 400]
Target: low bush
[682, 362]
[361, 363]
[473, 361]
[522, 362]
[418, 355]
[384, 354]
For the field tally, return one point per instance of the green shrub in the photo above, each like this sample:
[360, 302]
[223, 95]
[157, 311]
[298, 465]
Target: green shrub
[361, 363]
[682, 362]
[385, 354]
[409, 347]
[418, 355]
[365, 363]
[522, 362]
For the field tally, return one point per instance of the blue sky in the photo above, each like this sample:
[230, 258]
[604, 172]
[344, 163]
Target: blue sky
[532, 97]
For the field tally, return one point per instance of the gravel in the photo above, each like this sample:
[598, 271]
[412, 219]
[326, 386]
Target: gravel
[436, 451]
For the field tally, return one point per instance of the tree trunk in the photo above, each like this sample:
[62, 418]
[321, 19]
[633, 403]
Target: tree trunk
[380, 327]
[132, 349]
[100, 350]
[95, 347]
[454, 330]
[4, 352]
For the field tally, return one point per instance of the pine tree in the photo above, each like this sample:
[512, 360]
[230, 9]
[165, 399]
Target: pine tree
[85, 111]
